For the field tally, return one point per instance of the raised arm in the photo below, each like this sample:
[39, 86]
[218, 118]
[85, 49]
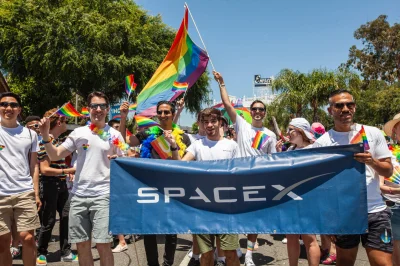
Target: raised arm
[124, 110]
[224, 96]
[54, 153]
[180, 105]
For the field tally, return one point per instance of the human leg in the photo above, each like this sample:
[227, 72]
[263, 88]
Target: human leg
[293, 249]
[312, 247]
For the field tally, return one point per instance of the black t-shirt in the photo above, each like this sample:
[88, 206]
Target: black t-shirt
[154, 155]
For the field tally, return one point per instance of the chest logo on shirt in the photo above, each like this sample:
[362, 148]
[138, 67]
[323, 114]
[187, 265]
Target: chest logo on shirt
[85, 146]
[2, 147]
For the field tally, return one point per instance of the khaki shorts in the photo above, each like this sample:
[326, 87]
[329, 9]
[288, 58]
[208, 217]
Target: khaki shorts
[20, 209]
[228, 242]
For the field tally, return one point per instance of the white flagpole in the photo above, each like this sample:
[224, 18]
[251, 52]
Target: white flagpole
[201, 39]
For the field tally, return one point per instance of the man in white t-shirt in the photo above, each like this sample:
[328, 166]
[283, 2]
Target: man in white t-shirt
[213, 147]
[378, 162]
[19, 197]
[89, 209]
[245, 135]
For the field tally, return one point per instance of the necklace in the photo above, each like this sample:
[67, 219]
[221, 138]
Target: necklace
[107, 137]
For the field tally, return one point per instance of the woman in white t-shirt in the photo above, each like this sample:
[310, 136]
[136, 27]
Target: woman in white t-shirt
[390, 186]
[300, 137]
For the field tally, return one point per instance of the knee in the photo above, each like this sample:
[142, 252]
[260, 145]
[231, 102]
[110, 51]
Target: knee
[27, 238]
[103, 246]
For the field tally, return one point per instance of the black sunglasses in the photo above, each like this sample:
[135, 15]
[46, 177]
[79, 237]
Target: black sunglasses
[255, 109]
[103, 106]
[34, 126]
[349, 105]
[6, 104]
[166, 112]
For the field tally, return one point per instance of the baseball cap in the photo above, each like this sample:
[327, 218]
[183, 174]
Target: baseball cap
[304, 125]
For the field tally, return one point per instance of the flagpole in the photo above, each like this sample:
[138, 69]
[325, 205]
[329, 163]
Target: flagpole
[201, 39]
[57, 110]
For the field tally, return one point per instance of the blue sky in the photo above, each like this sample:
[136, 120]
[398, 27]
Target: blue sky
[251, 37]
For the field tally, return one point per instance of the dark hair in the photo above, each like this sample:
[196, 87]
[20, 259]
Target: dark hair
[11, 94]
[168, 103]
[211, 112]
[112, 122]
[54, 117]
[98, 94]
[257, 101]
[198, 116]
[339, 91]
[32, 118]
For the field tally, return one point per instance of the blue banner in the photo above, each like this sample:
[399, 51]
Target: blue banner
[114, 112]
[310, 191]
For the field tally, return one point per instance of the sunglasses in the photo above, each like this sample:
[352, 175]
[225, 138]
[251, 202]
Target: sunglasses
[260, 109]
[166, 112]
[349, 105]
[34, 126]
[11, 104]
[290, 130]
[103, 106]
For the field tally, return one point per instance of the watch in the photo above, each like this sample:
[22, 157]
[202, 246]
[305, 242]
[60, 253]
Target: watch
[174, 149]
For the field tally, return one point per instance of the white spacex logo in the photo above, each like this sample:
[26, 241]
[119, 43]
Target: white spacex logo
[250, 193]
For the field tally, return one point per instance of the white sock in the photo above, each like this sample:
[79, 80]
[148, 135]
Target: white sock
[250, 248]
[221, 259]
[196, 257]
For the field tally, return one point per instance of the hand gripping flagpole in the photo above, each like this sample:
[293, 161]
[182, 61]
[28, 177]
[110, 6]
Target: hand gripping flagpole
[201, 39]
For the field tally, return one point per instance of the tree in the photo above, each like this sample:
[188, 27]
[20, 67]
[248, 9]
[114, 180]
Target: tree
[379, 58]
[67, 46]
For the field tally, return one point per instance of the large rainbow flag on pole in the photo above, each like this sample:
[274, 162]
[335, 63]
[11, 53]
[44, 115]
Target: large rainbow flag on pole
[185, 62]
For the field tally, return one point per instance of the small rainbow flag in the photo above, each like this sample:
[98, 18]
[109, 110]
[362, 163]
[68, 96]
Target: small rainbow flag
[259, 140]
[161, 146]
[143, 121]
[2, 147]
[85, 146]
[361, 137]
[85, 111]
[178, 88]
[68, 110]
[128, 133]
[130, 84]
[395, 178]
[132, 107]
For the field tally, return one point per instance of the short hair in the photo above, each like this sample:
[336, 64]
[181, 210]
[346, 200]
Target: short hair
[168, 103]
[112, 122]
[213, 112]
[11, 94]
[98, 94]
[54, 117]
[198, 116]
[31, 118]
[257, 101]
[337, 92]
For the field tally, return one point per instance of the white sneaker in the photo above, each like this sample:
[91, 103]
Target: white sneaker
[119, 248]
[249, 261]
[284, 241]
[239, 253]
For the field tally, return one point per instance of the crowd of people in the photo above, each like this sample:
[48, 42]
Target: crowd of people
[43, 172]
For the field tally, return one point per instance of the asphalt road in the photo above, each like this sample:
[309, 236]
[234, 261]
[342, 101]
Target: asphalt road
[271, 252]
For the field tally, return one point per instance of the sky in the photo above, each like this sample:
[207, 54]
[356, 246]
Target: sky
[245, 38]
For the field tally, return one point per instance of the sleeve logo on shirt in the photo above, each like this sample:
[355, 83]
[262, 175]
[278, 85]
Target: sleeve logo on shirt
[85, 146]
[2, 147]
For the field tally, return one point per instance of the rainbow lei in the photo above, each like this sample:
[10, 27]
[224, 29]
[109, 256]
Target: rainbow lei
[107, 137]
[395, 178]
[155, 132]
[395, 149]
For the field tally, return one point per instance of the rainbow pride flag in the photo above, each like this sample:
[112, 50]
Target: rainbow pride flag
[259, 140]
[161, 146]
[178, 88]
[85, 111]
[361, 137]
[130, 84]
[143, 121]
[128, 133]
[68, 110]
[132, 107]
[395, 178]
[185, 62]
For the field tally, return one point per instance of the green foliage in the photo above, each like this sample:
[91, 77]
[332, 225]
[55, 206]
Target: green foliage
[379, 58]
[195, 128]
[65, 46]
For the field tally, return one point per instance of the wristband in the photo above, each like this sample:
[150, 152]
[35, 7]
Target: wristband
[45, 141]
[174, 149]
[222, 85]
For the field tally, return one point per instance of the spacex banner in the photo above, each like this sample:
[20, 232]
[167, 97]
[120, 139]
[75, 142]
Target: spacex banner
[310, 191]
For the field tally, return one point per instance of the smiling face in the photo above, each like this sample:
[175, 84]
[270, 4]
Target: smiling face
[98, 109]
[257, 111]
[165, 115]
[211, 124]
[342, 108]
[9, 109]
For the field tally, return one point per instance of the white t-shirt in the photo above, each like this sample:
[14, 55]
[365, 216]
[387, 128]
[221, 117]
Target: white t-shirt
[245, 135]
[396, 172]
[205, 149]
[378, 150]
[15, 143]
[92, 176]
[193, 137]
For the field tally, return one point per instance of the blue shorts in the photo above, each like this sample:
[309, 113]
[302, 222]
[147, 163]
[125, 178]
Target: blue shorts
[396, 224]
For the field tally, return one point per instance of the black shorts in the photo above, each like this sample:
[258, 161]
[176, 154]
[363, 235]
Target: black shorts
[379, 234]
